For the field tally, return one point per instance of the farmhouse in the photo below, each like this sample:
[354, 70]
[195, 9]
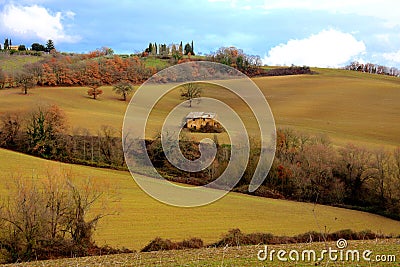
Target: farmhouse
[198, 120]
[13, 47]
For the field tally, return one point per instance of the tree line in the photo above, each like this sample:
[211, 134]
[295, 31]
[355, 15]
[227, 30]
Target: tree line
[306, 168]
[173, 50]
[34, 47]
[102, 67]
[44, 132]
[373, 68]
[48, 218]
[93, 69]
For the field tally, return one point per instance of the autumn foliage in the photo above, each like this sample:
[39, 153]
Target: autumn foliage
[81, 70]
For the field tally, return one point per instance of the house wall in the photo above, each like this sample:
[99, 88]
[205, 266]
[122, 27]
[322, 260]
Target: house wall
[198, 123]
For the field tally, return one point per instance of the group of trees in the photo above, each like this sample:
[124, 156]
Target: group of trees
[173, 50]
[7, 44]
[34, 47]
[44, 132]
[306, 168]
[373, 68]
[79, 70]
[46, 48]
[236, 58]
[49, 219]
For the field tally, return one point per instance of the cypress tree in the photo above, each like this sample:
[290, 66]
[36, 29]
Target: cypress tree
[180, 47]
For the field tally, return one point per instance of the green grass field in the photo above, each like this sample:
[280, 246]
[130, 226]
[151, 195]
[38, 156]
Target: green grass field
[14, 63]
[346, 106]
[141, 218]
[156, 62]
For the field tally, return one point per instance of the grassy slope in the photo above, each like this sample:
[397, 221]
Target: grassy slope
[142, 218]
[13, 63]
[80, 109]
[347, 106]
[156, 63]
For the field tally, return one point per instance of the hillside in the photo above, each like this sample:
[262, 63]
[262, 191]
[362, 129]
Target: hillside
[141, 218]
[12, 63]
[346, 106]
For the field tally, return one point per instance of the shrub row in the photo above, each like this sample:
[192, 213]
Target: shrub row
[235, 237]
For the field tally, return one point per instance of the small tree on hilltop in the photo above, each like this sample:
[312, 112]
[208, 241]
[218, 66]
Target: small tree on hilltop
[50, 45]
[187, 48]
[123, 88]
[190, 91]
[37, 47]
[6, 44]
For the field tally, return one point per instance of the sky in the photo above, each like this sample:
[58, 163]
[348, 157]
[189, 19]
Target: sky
[282, 32]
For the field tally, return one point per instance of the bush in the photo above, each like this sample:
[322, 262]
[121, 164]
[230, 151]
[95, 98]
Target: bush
[159, 244]
[191, 243]
[237, 238]
[165, 244]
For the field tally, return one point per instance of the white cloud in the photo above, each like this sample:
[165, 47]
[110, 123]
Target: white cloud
[35, 21]
[392, 57]
[387, 10]
[329, 48]
[70, 14]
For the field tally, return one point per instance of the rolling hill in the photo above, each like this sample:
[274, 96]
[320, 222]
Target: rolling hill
[346, 106]
[141, 218]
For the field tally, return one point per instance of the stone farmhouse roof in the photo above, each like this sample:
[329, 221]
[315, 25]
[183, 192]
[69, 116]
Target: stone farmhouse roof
[201, 115]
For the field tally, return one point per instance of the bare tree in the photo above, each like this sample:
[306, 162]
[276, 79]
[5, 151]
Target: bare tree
[36, 70]
[25, 80]
[3, 78]
[50, 218]
[381, 161]
[22, 217]
[107, 144]
[190, 91]
[10, 130]
[355, 163]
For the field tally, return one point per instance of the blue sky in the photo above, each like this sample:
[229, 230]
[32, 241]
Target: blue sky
[308, 32]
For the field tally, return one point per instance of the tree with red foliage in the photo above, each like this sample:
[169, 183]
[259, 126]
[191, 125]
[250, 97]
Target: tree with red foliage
[94, 90]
